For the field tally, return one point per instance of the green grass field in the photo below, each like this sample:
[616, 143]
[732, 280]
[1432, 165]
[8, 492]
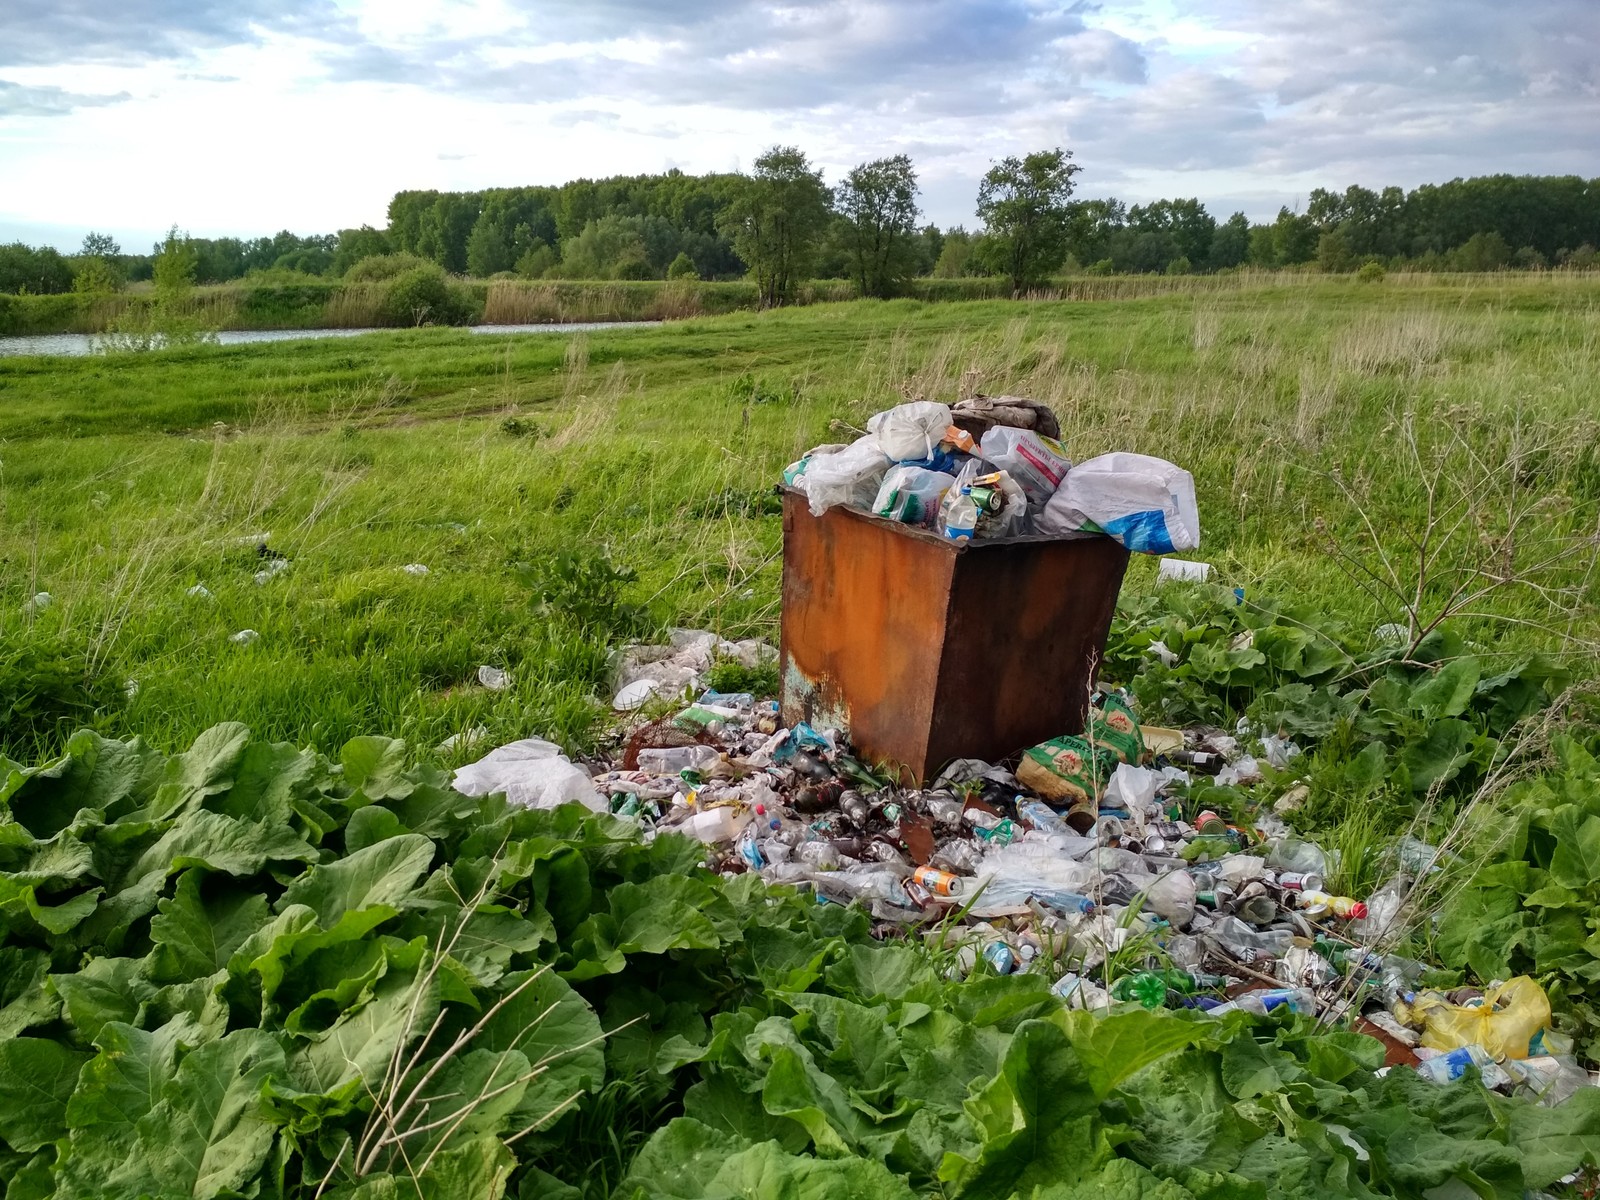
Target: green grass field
[226, 960]
[1314, 414]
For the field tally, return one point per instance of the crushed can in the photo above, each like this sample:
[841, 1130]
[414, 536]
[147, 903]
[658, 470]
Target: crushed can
[1300, 881]
[941, 883]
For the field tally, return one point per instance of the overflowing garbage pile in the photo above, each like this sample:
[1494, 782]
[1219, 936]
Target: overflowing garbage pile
[1084, 860]
[993, 468]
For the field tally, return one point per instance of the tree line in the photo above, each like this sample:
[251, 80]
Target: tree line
[782, 224]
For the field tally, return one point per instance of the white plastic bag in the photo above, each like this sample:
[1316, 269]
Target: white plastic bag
[532, 773]
[1147, 504]
[912, 495]
[850, 476]
[911, 432]
[1038, 464]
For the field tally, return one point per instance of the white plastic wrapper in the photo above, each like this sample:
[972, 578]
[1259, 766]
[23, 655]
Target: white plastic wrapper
[1147, 504]
[911, 432]
[532, 773]
[1038, 464]
[850, 476]
[912, 495]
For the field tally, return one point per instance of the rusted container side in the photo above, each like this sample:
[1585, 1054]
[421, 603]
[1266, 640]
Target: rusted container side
[926, 650]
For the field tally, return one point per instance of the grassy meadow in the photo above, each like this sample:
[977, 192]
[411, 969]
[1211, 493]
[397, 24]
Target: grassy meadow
[1361, 449]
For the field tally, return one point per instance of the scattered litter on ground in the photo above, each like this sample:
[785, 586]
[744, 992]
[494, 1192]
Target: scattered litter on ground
[38, 602]
[466, 739]
[493, 678]
[199, 592]
[244, 637]
[415, 569]
[275, 567]
[533, 773]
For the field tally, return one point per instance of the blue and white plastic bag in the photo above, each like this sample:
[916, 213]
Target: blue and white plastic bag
[1147, 504]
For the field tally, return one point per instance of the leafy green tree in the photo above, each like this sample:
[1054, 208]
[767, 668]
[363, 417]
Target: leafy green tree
[1294, 238]
[354, 245]
[611, 248]
[1482, 252]
[956, 256]
[174, 268]
[1023, 206]
[99, 245]
[1231, 245]
[681, 267]
[1180, 266]
[97, 277]
[775, 221]
[1333, 252]
[488, 250]
[878, 201]
[537, 261]
[1263, 247]
[41, 271]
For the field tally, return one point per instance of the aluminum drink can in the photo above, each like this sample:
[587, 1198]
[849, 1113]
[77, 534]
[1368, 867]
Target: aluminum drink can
[1000, 956]
[1300, 881]
[942, 883]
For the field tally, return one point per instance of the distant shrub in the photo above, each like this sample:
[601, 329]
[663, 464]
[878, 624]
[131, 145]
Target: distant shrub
[1180, 266]
[681, 267]
[384, 266]
[1370, 272]
[423, 296]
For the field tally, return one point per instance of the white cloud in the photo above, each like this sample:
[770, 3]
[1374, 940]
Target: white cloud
[246, 116]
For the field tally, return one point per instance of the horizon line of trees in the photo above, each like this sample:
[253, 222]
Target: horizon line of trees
[782, 224]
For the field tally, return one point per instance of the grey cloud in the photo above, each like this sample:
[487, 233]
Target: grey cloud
[905, 57]
[18, 100]
[46, 32]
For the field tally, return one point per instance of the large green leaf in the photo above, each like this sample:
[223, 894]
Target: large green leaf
[26, 999]
[555, 1029]
[376, 766]
[1115, 1046]
[36, 1078]
[125, 1080]
[1554, 1142]
[362, 1044]
[472, 1095]
[380, 876]
[105, 989]
[205, 769]
[267, 778]
[1575, 861]
[96, 775]
[195, 937]
[1448, 691]
[1038, 1120]
[1439, 757]
[210, 1134]
[1119, 1179]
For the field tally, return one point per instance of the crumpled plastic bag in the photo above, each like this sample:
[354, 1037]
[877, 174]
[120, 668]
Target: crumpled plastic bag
[911, 432]
[1038, 464]
[850, 476]
[1147, 504]
[1510, 1017]
[533, 773]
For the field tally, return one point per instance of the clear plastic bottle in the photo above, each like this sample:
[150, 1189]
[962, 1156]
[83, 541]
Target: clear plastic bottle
[1295, 1000]
[1247, 944]
[676, 759]
[1452, 1065]
[1319, 903]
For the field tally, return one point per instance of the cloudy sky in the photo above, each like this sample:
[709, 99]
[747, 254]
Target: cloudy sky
[248, 116]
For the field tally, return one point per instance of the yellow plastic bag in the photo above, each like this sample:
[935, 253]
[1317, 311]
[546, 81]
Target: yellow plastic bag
[1510, 1016]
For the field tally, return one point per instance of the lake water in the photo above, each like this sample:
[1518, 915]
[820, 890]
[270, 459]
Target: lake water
[77, 344]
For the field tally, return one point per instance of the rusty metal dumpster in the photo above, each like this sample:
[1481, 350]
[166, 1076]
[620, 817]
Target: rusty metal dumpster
[926, 650]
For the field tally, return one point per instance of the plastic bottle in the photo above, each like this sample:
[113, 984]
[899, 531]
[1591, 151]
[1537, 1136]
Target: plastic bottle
[958, 514]
[742, 702]
[1001, 834]
[1150, 988]
[1246, 944]
[863, 885]
[1317, 903]
[1295, 1000]
[1036, 814]
[1452, 1065]
[677, 759]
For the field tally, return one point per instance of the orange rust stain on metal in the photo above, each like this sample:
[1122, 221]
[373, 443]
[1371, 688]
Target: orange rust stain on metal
[928, 651]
